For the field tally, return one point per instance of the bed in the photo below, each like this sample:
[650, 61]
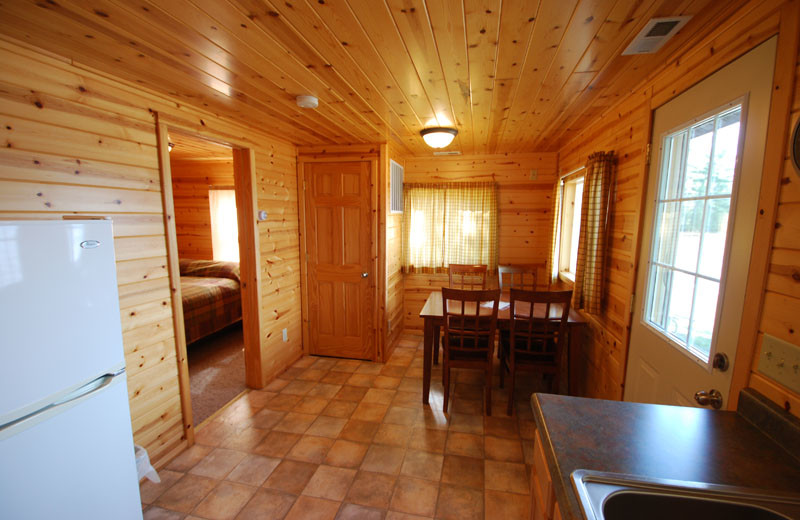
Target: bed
[211, 297]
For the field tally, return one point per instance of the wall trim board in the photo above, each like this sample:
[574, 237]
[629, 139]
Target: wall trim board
[175, 281]
[244, 173]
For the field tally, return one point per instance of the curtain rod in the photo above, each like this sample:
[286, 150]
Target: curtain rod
[576, 170]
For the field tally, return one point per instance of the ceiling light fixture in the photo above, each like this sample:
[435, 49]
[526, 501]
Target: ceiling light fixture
[307, 102]
[438, 137]
[170, 146]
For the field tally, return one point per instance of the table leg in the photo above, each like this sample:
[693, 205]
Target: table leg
[427, 355]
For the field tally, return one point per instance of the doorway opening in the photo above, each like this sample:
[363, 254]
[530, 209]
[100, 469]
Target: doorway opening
[206, 229]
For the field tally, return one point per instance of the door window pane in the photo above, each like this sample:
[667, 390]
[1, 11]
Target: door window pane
[727, 142]
[703, 314]
[689, 235]
[701, 137]
[690, 231]
[715, 231]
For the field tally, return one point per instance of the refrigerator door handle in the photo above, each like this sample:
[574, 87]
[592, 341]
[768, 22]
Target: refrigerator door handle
[89, 388]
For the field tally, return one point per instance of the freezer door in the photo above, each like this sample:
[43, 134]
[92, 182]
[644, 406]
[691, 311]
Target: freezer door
[59, 311]
[75, 462]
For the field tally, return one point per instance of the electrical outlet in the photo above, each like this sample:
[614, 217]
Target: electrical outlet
[780, 360]
[285, 335]
[534, 175]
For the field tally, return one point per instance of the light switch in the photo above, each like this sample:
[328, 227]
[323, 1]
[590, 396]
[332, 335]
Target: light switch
[780, 360]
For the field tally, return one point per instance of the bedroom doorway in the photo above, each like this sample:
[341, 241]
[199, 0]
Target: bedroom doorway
[209, 215]
[206, 229]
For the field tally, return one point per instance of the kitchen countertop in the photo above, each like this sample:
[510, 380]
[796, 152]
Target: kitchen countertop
[671, 442]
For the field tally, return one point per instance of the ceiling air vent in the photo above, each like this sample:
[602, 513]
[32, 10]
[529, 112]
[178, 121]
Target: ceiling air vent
[450, 152]
[395, 187]
[655, 34]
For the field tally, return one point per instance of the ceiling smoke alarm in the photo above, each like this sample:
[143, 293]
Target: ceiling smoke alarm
[307, 101]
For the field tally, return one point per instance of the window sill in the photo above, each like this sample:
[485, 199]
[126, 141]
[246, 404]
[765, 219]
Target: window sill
[567, 277]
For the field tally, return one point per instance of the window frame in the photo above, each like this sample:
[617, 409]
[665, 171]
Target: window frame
[565, 241]
[686, 350]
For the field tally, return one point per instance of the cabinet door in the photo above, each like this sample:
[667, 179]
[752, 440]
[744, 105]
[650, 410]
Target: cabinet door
[541, 484]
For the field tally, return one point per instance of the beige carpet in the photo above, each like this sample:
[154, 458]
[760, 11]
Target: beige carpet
[216, 371]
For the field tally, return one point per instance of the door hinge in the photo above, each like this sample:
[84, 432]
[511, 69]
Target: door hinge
[647, 156]
[304, 185]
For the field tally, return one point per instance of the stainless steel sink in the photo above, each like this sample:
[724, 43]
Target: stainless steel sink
[611, 496]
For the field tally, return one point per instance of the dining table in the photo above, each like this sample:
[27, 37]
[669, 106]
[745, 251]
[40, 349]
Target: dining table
[433, 319]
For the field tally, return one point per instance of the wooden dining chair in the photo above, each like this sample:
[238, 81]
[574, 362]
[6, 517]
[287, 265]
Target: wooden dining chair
[534, 341]
[469, 323]
[517, 277]
[464, 276]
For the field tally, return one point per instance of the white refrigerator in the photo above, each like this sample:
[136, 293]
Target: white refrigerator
[66, 447]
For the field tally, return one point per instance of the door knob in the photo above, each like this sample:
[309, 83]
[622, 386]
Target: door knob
[364, 275]
[713, 398]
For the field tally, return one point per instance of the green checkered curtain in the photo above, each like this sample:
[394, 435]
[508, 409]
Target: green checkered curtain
[593, 240]
[449, 223]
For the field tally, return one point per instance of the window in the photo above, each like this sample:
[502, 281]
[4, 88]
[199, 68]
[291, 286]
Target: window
[690, 231]
[571, 202]
[451, 223]
[224, 225]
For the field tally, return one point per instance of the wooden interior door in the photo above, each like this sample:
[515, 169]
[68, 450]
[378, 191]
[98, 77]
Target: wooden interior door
[339, 267]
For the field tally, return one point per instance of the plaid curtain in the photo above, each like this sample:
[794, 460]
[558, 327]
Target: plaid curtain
[449, 223]
[552, 261]
[588, 289]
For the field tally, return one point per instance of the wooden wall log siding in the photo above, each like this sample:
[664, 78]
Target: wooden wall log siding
[525, 206]
[191, 180]
[78, 142]
[625, 128]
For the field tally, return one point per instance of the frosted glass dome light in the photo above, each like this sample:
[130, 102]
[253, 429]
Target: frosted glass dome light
[438, 137]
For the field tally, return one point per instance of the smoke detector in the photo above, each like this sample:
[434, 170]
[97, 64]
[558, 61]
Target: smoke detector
[307, 101]
[655, 34]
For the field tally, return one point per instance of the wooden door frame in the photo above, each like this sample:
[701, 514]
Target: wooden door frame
[249, 262]
[360, 153]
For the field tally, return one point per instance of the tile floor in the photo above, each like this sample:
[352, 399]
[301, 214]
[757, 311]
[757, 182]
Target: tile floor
[343, 439]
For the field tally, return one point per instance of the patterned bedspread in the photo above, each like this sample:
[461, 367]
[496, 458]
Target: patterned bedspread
[209, 305]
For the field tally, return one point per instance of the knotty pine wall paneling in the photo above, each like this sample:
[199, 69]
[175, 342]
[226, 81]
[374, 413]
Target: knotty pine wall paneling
[625, 128]
[191, 180]
[76, 141]
[524, 204]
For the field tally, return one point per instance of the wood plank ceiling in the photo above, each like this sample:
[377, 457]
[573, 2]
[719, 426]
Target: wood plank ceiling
[511, 75]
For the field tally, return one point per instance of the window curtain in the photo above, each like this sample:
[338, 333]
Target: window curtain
[449, 223]
[224, 225]
[552, 267]
[589, 275]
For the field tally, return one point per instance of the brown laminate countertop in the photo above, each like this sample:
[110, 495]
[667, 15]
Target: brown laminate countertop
[672, 442]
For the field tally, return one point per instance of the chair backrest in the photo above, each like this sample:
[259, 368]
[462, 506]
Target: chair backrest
[464, 276]
[517, 277]
[538, 324]
[470, 319]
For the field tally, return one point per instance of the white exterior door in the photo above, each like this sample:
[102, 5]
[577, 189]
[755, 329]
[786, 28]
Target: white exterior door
[702, 196]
